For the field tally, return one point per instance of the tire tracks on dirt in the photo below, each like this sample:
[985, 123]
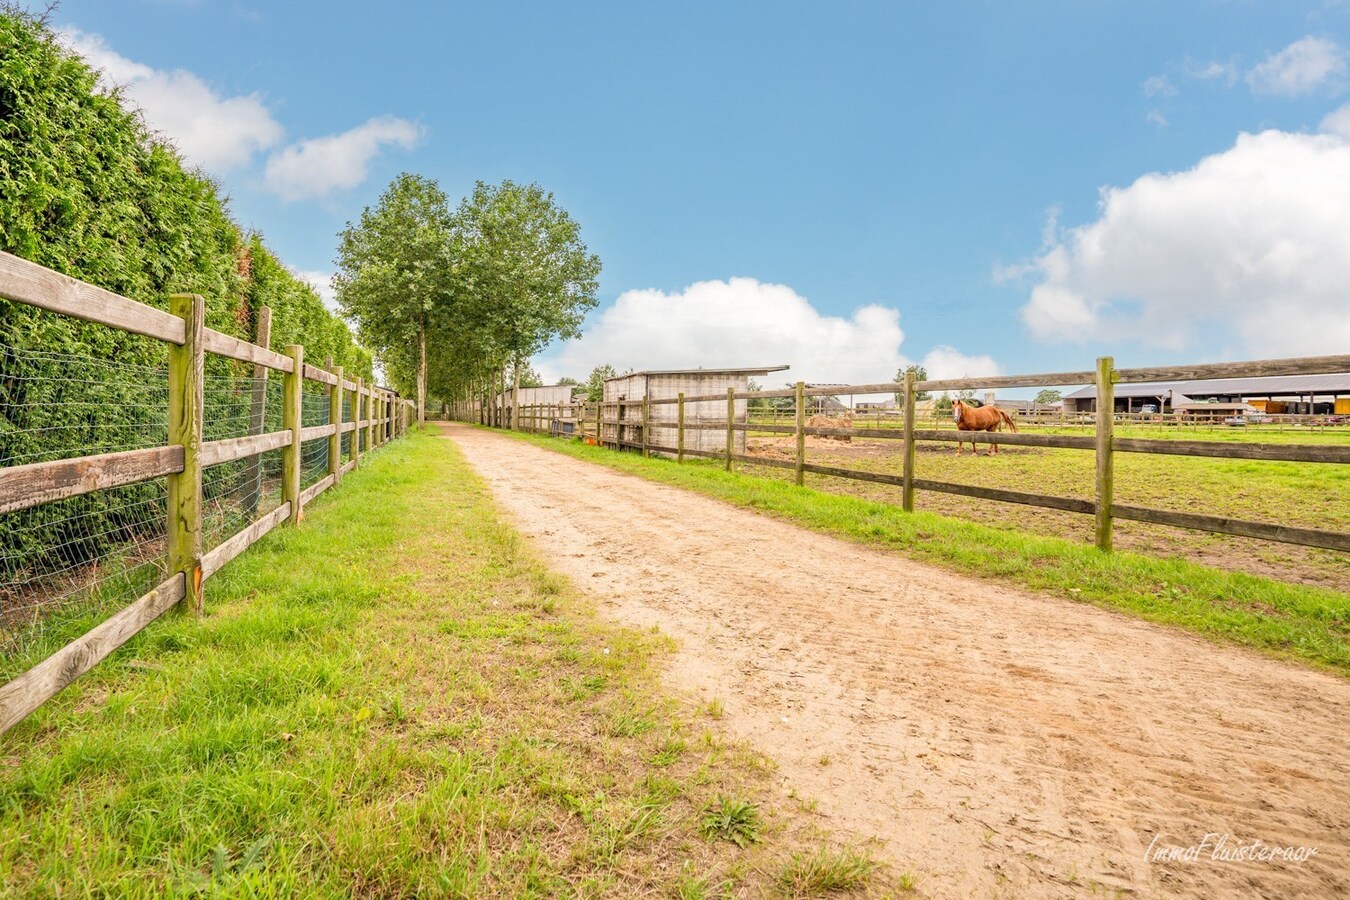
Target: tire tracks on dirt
[1000, 743]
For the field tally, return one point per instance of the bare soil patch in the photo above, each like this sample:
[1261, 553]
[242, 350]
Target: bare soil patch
[1001, 743]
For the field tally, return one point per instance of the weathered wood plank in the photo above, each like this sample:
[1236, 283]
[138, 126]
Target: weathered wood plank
[36, 285]
[39, 684]
[186, 404]
[348, 466]
[1308, 365]
[907, 498]
[335, 420]
[1068, 504]
[257, 413]
[292, 398]
[215, 560]
[679, 428]
[800, 428]
[349, 426]
[314, 432]
[1308, 537]
[214, 453]
[314, 373]
[1226, 450]
[1106, 460]
[44, 482]
[223, 345]
[316, 489]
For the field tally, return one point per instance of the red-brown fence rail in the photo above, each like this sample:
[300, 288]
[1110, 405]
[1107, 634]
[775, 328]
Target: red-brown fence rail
[377, 415]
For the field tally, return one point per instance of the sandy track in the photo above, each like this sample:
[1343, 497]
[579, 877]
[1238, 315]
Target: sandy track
[1001, 743]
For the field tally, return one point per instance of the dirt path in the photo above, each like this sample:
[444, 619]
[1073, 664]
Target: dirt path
[1000, 742]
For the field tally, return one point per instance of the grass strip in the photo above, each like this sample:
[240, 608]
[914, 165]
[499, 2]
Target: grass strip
[393, 699]
[1292, 621]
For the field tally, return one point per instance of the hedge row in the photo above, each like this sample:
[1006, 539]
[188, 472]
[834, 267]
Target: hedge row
[86, 189]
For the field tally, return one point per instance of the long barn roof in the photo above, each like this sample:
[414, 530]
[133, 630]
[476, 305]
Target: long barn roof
[1271, 384]
[753, 370]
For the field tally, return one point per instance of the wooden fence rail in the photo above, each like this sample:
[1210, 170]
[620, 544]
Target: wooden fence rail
[627, 424]
[380, 415]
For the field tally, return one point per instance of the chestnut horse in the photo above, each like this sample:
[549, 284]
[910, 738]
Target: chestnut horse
[979, 418]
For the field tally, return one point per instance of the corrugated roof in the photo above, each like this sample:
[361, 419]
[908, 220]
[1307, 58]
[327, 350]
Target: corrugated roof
[1272, 384]
[753, 370]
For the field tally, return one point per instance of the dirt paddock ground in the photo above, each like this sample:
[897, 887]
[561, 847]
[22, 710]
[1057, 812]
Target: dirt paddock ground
[999, 743]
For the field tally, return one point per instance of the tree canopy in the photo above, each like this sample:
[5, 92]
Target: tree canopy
[450, 300]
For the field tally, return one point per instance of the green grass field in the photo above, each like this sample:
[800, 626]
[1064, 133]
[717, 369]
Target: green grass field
[1298, 621]
[1310, 495]
[395, 699]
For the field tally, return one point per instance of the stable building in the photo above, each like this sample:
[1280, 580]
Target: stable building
[1305, 395]
[622, 424]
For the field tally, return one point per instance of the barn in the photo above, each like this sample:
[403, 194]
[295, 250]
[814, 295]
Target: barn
[559, 395]
[668, 385]
[1279, 394]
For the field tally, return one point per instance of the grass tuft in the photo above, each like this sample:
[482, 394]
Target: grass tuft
[826, 871]
[732, 820]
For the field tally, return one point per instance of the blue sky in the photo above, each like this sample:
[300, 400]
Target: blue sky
[844, 187]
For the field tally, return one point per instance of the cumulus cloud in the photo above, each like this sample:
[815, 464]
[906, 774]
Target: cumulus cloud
[322, 282]
[214, 132]
[1301, 68]
[1249, 249]
[948, 362]
[319, 166]
[745, 322]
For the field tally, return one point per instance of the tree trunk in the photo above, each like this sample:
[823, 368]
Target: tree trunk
[515, 397]
[422, 375]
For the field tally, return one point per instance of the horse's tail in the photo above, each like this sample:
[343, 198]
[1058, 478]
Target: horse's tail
[1008, 419]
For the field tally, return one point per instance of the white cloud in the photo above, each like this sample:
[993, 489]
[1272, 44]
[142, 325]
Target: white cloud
[1250, 248]
[948, 362]
[1159, 86]
[1212, 71]
[1301, 68]
[1338, 122]
[319, 166]
[214, 132]
[745, 322]
[322, 282]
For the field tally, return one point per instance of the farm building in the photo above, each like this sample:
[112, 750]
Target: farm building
[667, 385]
[1283, 394]
[555, 395]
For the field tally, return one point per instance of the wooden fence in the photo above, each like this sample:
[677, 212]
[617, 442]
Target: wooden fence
[379, 415]
[624, 425]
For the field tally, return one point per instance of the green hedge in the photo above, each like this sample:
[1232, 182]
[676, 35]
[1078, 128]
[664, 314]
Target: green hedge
[87, 190]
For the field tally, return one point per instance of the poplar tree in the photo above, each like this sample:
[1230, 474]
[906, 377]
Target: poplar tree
[395, 278]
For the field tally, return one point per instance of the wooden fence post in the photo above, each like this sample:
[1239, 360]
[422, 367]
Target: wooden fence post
[907, 495]
[731, 422]
[646, 423]
[801, 434]
[370, 418]
[293, 384]
[257, 414]
[356, 418]
[1106, 414]
[679, 428]
[186, 379]
[335, 419]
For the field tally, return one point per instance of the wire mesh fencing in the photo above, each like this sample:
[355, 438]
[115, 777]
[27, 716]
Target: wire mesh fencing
[64, 565]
